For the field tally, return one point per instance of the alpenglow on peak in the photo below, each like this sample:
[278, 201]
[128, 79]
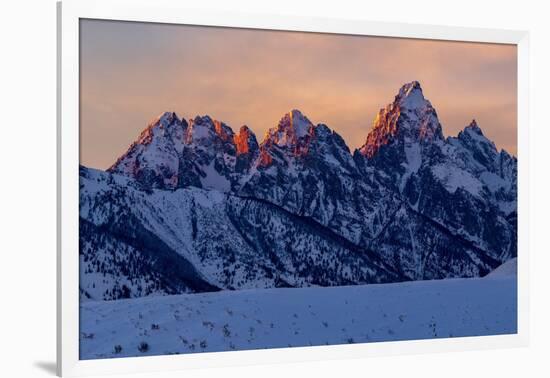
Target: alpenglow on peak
[292, 127]
[409, 116]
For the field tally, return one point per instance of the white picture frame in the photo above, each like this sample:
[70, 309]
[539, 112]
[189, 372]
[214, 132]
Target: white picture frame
[171, 11]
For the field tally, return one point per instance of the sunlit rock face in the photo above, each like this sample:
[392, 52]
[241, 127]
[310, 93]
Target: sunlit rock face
[409, 117]
[298, 209]
[402, 133]
[293, 131]
[247, 149]
[153, 159]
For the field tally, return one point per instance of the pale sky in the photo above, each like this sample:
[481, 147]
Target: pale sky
[132, 72]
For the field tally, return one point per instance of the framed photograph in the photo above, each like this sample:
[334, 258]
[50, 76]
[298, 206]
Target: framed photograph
[251, 188]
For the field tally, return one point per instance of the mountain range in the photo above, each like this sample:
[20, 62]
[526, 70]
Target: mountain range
[194, 206]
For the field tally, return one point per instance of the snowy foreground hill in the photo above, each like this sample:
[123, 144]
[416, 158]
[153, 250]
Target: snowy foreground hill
[274, 318]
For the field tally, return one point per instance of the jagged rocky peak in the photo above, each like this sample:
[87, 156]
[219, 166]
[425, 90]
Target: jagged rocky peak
[167, 118]
[410, 96]
[293, 127]
[246, 148]
[245, 141]
[410, 116]
[473, 126]
[292, 133]
[153, 158]
[165, 123]
[204, 128]
[473, 136]
[473, 131]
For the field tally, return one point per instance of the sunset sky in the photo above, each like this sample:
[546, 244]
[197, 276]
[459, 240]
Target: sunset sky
[132, 72]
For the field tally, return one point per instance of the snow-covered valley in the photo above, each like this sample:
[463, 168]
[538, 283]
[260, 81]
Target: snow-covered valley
[274, 318]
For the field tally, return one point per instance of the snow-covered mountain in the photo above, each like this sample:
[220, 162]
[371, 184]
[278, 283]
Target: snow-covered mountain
[409, 120]
[460, 183]
[138, 241]
[308, 170]
[193, 206]
[172, 153]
